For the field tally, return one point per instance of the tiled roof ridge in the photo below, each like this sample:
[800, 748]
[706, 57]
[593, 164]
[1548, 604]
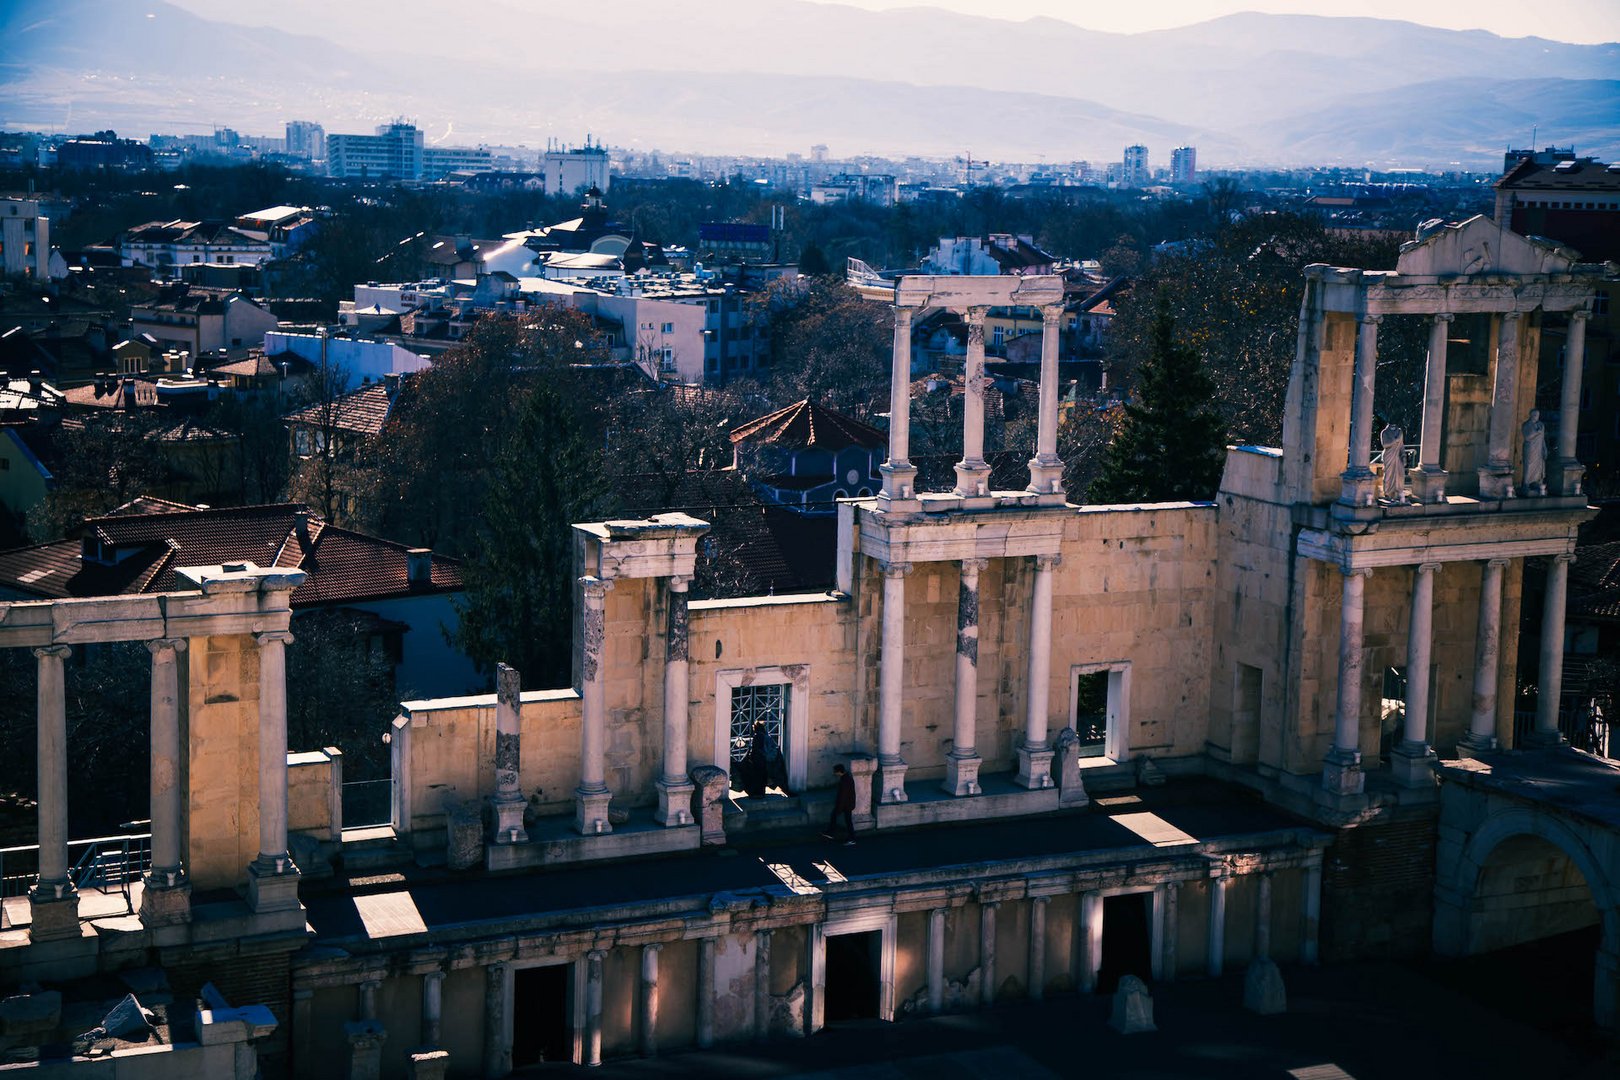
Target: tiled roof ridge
[261, 510]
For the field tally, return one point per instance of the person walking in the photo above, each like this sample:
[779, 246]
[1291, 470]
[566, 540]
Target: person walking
[843, 806]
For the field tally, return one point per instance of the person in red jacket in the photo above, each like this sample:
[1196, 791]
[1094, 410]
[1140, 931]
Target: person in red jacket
[843, 805]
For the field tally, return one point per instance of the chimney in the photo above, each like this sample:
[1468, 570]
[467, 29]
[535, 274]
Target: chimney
[391, 384]
[419, 567]
[35, 381]
[301, 529]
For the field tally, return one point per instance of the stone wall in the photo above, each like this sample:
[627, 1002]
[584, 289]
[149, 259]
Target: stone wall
[1378, 889]
[221, 727]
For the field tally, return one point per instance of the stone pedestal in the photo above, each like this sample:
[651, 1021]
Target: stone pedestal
[429, 1064]
[862, 770]
[1066, 756]
[591, 812]
[1413, 764]
[273, 889]
[710, 783]
[1263, 990]
[506, 826]
[1133, 1007]
[962, 774]
[1035, 768]
[1471, 745]
[892, 782]
[366, 1038]
[165, 903]
[1495, 482]
[55, 914]
[1341, 772]
[674, 803]
[1427, 485]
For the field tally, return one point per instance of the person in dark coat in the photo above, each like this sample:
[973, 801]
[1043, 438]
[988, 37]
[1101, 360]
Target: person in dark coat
[843, 805]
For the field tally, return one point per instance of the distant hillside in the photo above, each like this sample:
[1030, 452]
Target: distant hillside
[772, 76]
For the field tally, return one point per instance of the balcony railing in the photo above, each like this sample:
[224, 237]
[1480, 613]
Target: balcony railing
[107, 864]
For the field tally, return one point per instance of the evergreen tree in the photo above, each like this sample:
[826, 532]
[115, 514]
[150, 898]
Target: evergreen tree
[1171, 444]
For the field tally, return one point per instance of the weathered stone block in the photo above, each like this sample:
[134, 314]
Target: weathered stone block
[464, 835]
[1133, 1007]
[28, 1015]
[429, 1064]
[1263, 990]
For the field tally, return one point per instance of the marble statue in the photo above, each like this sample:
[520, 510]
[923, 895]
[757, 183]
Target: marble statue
[1394, 441]
[1535, 455]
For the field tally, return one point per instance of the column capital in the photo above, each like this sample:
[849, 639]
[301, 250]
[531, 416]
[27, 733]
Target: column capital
[1367, 318]
[1039, 901]
[1051, 315]
[1048, 562]
[679, 582]
[54, 652]
[1580, 315]
[1352, 571]
[596, 956]
[595, 588]
[436, 975]
[894, 569]
[763, 932]
[903, 314]
[1444, 317]
[1513, 315]
[1498, 563]
[1426, 567]
[653, 947]
[975, 565]
[168, 645]
[280, 637]
[1565, 557]
[990, 905]
[975, 315]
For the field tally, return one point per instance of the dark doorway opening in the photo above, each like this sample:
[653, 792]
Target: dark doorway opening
[541, 1028]
[853, 976]
[1127, 943]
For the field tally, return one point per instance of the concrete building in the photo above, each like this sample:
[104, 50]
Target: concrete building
[571, 170]
[393, 153]
[306, 139]
[25, 240]
[167, 245]
[1156, 730]
[1184, 165]
[1134, 171]
[197, 321]
[358, 360]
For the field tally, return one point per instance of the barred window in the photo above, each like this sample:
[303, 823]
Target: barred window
[767, 702]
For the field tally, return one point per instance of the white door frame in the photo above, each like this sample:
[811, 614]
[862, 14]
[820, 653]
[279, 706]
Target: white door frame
[886, 923]
[576, 1000]
[795, 726]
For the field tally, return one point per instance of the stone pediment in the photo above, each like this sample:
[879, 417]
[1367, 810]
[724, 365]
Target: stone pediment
[1481, 246]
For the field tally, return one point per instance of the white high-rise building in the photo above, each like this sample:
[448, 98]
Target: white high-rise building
[576, 169]
[1135, 167]
[394, 153]
[306, 139]
[1184, 165]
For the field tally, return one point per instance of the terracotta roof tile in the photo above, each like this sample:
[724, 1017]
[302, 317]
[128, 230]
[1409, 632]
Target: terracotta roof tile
[805, 424]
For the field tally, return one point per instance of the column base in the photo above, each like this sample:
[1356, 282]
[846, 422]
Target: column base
[1471, 745]
[591, 812]
[507, 825]
[1034, 767]
[366, 1039]
[973, 479]
[1412, 764]
[273, 887]
[1495, 482]
[1046, 479]
[1358, 487]
[165, 899]
[1427, 485]
[962, 775]
[1544, 740]
[899, 494]
[1568, 475]
[54, 911]
[674, 802]
[1341, 772]
[891, 781]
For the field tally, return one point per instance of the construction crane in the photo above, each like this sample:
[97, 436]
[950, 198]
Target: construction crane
[968, 163]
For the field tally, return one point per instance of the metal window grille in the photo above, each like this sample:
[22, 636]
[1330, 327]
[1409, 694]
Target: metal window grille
[750, 703]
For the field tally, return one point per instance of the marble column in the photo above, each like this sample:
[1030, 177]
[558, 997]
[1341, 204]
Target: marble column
[972, 473]
[1341, 769]
[1170, 937]
[705, 993]
[891, 684]
[272, 877]
[368, 998]
[649, 999]
[1411, 760]
[507, 802]
[762, 984]
[53, 901]
[497, 1027]
[1035, 755]
[675, 786]
[1569, 406]
[1358, 487]
[1262, 919]
[1312, 911]
[987, 951]
[1429, 481]
[1550, 687]
[1090, 950]
[962, 763]
[1046, 468]
[936, 960]
[899, 475]
[1037, 947]
[432, 1006]
[1496, 475]
[1217, 925]
[1481, 734]
[592, 797]
[593, 1006]
[165, 897]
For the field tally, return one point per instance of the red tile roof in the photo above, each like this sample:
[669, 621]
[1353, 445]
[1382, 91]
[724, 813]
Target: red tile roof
[805, 424]
[363, 411]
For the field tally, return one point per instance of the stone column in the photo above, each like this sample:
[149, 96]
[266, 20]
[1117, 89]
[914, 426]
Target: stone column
[899, 475]
[1046, 468]
[936, 960]
[674, 786]
[1313, 911]
[592, 797]
[432, 1006]
[1496, 475]
[649, 999]
[1037, 947]
[1341, 769]
[1262, 919]
[1217, 924]
[507, 802]
[962, 763]
[987, 951]
[705, 993]
[368, 998]
[1091, 920]
[1411, 759]
[1358, 487]
[1170, 936]
[1551, 684]
[593, 1006]
[1569, 407]
[272, 877]
[891, 684]
[53, 902]
[972, 473]
[166, 895]
[497, 1031]
[1481, 733]
[762, 984]
[1035, 755]
[1429, 482]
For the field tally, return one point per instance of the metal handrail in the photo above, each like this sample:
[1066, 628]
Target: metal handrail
[103, 862]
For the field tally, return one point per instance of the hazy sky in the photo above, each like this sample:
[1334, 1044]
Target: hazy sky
[1561, 20]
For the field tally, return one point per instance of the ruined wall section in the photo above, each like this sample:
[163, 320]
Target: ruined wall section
[222, 732]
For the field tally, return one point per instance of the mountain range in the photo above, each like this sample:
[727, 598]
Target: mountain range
[776, 76]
